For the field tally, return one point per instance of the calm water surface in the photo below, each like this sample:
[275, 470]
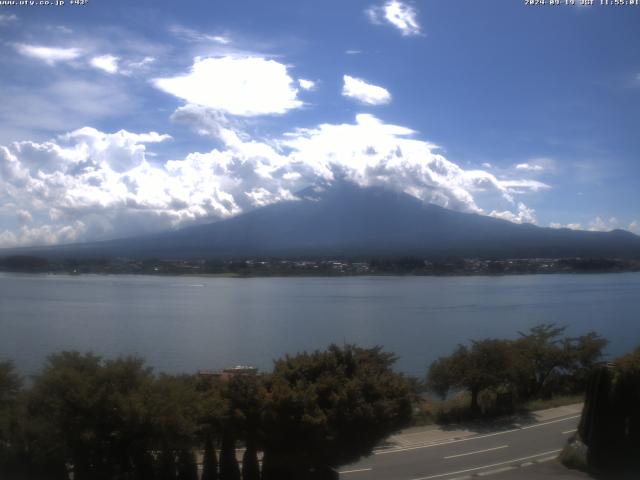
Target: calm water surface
[182, 324]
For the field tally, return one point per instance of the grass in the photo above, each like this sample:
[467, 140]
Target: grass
[452, 410]
[456, 410]
[559, 401]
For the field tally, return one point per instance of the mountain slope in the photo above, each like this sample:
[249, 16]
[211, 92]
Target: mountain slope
[345, 220]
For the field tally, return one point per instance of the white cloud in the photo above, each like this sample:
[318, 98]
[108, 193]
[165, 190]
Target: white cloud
[133, 67]
[306, 84]
[6, 19]
[148, 60]
[527, 167]
[49, 55]
[60, 29]
[42, 235]
[599, 224]
[570, 226]
[364, 92]
[107, 63]
[399, 14]
[61, 105]
[352, 51]
[89, 184]
[205, 121]
[523, 215]
[371, 152]
[487, 165]
[246, 87]
[196, 36]
[521, 186]
[219, 39]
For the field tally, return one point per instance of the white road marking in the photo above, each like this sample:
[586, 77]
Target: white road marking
[486, 466]
[569, 431]
[475, 437]
[497, 470]
[477, 451]
[355, 471]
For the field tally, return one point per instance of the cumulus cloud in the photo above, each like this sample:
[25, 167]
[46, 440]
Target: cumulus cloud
[399, 14]
[106, 63]
[570, 226]
[89, 184]
[600, 224]
[371, 152]
[49, 55]
[363, 92]
[524, 214]
[247, 87]
[205, 121]
[306, 84]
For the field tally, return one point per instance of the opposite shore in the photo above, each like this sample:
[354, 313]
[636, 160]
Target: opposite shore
[323, 267]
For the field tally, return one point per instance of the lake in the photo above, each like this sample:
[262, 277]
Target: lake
[182, 324]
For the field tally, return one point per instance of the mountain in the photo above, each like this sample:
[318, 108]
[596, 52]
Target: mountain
[349, 221]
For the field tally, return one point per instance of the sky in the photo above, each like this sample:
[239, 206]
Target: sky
[119, 118]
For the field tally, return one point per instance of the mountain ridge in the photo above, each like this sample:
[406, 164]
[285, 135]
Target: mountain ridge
[343, 220]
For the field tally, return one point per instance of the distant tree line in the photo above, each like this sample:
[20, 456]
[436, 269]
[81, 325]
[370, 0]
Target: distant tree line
[540, 363]
[116, 419]
[319, 266]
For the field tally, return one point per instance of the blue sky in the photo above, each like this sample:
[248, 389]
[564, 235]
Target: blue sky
[120, 118]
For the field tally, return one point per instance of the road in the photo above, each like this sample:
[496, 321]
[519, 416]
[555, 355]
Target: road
[465, 457]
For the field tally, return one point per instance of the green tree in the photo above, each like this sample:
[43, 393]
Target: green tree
[244, 402]
[327, 408]
[483, 365]
[65, 404]
[584, 353]
[172, 406]
[105, 418]
[10, 388]
[544, 360]
[540, 352]
[442, 376]
[94, 414]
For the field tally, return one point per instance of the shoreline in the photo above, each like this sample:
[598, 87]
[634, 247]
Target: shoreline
[319, 275]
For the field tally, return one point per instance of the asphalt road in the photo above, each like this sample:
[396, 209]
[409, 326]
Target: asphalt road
[480, 454]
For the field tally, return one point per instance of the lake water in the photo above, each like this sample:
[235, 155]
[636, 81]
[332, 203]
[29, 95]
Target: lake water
[182, 324]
